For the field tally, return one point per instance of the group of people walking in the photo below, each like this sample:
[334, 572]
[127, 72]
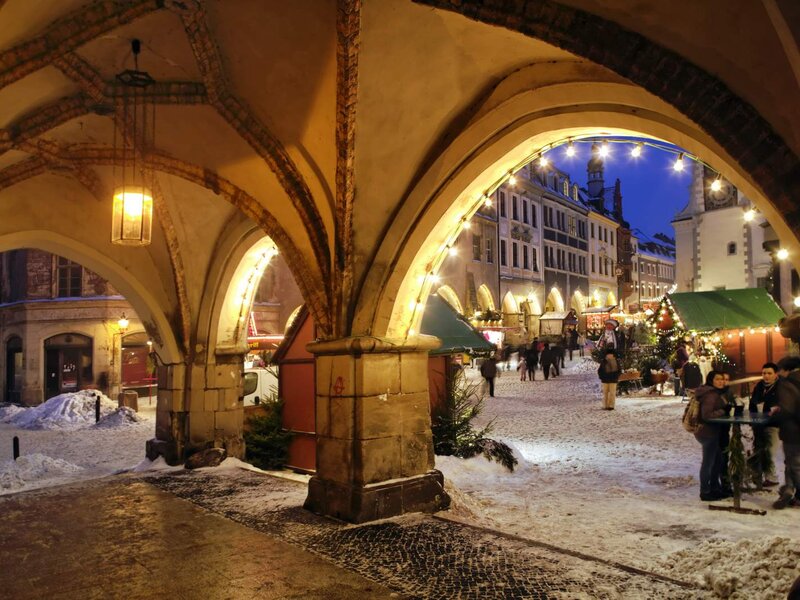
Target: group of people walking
[778, 395]
[550, 358]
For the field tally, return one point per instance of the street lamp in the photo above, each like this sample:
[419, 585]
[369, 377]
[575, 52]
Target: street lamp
[123, 323]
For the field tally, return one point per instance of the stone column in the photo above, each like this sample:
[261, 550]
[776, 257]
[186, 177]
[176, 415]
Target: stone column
[199, 407]
[374, 443]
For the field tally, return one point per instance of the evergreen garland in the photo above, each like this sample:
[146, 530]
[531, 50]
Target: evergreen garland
[737, 467]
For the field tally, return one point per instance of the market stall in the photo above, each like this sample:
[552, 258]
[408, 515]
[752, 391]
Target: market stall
[737, 329]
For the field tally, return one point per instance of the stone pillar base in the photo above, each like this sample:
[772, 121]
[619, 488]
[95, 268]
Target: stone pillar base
[359, 504]
[170, 450]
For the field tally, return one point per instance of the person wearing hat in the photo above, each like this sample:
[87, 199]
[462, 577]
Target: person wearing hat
[612, 337]
[787, 416]
[609, 372]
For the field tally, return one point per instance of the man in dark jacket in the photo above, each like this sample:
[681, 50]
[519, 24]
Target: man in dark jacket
[546, 359]
[532, 359]
[489, 372]
[608, 372]
[787, 416]
[765, 439]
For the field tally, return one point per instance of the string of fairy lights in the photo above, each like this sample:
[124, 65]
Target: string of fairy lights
[247, 290]
[603, 146]
[666, 322]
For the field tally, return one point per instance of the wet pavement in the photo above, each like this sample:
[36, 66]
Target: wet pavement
[118, 538]
[239, 534]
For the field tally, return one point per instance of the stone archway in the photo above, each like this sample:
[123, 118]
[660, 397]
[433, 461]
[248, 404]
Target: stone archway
[138, 293]
[485, 298]
[554, 302]
[449, 295]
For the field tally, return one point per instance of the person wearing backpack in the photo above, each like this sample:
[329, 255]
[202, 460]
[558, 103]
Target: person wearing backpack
[712, 405]
[609, 372]
[787, 416]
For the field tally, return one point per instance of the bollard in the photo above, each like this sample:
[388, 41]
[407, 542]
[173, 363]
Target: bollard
[16, 447]
[97, 409]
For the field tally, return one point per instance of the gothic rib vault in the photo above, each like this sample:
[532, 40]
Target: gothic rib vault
[355, 135]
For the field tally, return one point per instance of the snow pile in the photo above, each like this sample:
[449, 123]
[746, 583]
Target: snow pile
[123, 416]
[8, 412]
[750, 568]
[17, 474]
[73, 410]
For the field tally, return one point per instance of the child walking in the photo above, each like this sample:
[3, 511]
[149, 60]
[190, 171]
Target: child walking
[522, 367]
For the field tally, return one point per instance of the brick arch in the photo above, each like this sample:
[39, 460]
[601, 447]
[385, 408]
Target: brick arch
[734, 123]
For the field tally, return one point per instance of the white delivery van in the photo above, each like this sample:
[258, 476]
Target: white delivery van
[260, 385]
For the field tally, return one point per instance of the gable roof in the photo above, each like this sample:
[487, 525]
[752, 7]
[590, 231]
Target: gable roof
[457, 334]
[726, 309]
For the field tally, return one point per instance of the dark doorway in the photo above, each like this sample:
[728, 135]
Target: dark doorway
[68, 363]
[13, 391]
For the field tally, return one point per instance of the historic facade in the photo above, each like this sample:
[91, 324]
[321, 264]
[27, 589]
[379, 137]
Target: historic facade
[60, 329]
[716, 246]
[654, 261]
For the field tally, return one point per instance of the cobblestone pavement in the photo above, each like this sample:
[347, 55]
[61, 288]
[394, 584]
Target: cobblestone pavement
[420, 556]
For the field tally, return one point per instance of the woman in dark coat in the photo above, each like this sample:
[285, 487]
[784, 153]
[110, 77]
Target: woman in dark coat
[609, 372]
[712, 405]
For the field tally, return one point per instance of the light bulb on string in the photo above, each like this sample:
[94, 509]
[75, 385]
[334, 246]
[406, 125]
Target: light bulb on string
[749, 215]
[716, 185]
[570, 149]
[467, 225]
[782, 254]
[452, 251]
[636, 151]
[512, 179]
[604, 149]
[678, 164]
[543, 161]
[487, 201]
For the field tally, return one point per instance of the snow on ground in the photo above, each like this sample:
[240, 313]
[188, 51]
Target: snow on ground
[618, 484]
[60, 441]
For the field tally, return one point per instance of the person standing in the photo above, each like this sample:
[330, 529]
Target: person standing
[612, 337]
[532, 359]
[681, 358]
[572, 341]
[489, 372]
[546, 359]
[522, 366]
[609, 372]
[712, 405]
[765, 439]
[787, 416]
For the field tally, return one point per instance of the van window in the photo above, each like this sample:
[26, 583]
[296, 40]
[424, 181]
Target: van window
[250, 383]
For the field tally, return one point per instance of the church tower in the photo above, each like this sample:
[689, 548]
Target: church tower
[594, 173]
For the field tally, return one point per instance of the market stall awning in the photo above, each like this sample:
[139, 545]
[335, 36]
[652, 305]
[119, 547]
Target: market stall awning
[726, 309]
[457, 334]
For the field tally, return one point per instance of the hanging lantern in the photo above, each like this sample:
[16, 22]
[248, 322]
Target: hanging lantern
[134, 136]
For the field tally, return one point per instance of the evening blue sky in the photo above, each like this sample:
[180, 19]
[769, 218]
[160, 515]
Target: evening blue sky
[652, 192]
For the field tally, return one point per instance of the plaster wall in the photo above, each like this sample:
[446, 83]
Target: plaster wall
[717, 268]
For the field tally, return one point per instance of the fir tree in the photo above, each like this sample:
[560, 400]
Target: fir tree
[267, 443]
[453, 433]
